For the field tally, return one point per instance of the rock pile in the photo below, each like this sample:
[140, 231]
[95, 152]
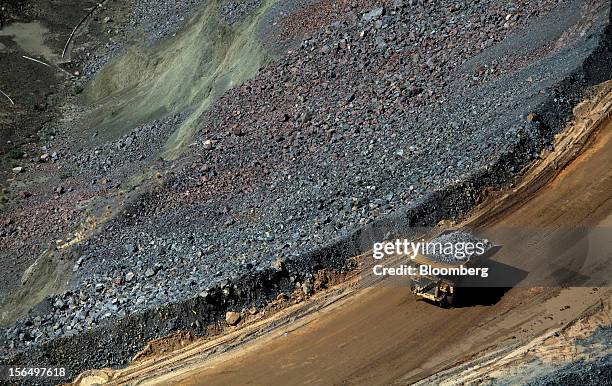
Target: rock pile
[234, 11]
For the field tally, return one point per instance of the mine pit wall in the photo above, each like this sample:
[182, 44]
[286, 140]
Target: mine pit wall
[115, 344]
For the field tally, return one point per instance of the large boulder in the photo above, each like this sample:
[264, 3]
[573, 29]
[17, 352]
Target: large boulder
[232, 318]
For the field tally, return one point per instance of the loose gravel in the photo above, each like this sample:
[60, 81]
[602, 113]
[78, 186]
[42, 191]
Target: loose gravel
[585, 373]
[119, 159]
[235, 11]
[161, 19]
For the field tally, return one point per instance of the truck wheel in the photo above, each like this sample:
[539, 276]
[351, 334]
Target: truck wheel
[450, 300]
[412, 287]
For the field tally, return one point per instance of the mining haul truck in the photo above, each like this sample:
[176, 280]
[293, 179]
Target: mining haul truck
[445, 283]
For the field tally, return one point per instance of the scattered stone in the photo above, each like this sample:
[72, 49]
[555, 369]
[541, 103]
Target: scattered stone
[18, 169]
[278, 264]
[77, 264]
[59, 304]
[119, 280]
[307, 288]
[380, 43]
[282, 297]
[373, 14]
[237, 131]
[232, 318]
[131, 248]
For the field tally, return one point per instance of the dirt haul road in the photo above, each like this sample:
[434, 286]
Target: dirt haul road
[383, 335]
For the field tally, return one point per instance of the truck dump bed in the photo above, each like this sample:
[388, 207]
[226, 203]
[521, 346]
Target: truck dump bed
[440, 275]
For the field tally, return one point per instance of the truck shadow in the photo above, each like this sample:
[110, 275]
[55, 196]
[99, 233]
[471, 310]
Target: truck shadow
[489, 290]
[479, 296]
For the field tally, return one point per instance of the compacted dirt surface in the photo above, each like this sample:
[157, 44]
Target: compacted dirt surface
[164, 163]
[383, 335]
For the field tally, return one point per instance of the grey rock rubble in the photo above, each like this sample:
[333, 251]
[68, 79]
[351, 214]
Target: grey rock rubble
[234, 11]
[161, 19]
[591, 373]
